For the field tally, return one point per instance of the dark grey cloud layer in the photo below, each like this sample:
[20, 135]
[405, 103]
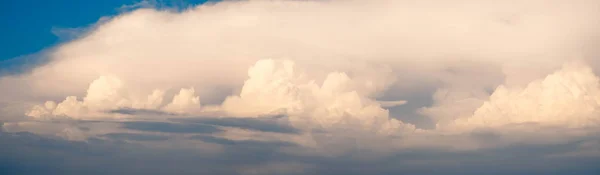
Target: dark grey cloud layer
[27, 153]
[136, 137]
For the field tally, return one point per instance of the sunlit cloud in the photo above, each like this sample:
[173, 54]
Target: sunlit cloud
[303, 85]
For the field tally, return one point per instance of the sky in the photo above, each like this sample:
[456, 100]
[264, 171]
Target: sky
[45, 19]
[300, 87]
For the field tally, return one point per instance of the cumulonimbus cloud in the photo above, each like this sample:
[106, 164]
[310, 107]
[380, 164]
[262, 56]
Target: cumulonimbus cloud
[332, 61]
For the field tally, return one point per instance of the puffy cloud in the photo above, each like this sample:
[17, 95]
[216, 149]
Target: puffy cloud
[184, 102]
[569, 97]
[108, 93]
[154, 100]
[274, 87]
[279, 87]
[270, 87]
[105, 93]
[69, 107]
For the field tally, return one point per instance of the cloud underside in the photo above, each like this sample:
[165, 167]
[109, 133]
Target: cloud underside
[307, 79]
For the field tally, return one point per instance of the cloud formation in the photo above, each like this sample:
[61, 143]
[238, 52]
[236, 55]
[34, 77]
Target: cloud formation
[108, 94]
[259, 58]
[226, 38]
[501, 73]
[278, 87]
[569, 97]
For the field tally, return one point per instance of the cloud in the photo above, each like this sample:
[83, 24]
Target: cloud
[63, 130]
[264, 125]
[568, 97]
[487, 68]
[110, 94]
[138, 112]
[329, 80]
[258, 156]
[93, 156]
[417, 46]
[278, 168]
[24, 64]
[243, 143]
[136, 137]
[278, 87]
[184, 102]
[204, 41]
[274, 87]
[392, 103]
[171, 127]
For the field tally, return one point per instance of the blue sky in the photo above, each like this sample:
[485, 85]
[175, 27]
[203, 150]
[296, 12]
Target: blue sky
[27, 25]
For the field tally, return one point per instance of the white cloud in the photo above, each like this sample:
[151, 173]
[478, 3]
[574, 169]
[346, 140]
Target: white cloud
[69, 107]
[108, 93]
[161, 49]
[184, 102]
[569, 97]
[279, 87]
[270, 87]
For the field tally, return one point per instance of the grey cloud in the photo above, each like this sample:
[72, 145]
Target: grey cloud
[517, 159]
[242, 143]
[171, 127]
[132, 111]
[26, 153]
[264, 124]
[135, 137]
